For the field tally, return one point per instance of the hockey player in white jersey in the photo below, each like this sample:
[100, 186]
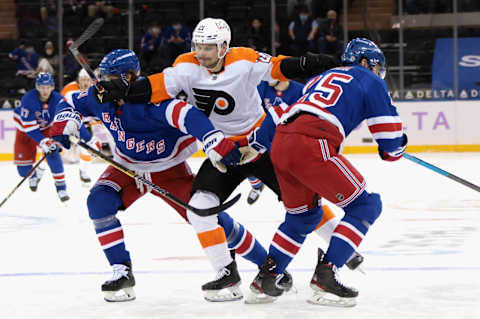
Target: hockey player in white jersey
[222, 82]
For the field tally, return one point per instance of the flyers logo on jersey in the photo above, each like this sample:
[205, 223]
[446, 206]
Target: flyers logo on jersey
[219, 102]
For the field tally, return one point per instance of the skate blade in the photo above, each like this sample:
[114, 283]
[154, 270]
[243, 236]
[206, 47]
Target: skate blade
[361, 270]
[125, 294]
[327, 299]
[232, 293]
[85, 184]
[255, 298]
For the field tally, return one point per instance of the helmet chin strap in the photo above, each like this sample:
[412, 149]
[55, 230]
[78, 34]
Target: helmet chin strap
[217, 67]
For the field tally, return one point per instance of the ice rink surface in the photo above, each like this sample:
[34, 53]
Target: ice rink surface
[422, 257]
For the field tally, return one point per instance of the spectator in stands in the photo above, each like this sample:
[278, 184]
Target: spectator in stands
[100, 8]
[153, 52]
[302, 31]
[330, 34]
[178, 38]
[257, 36]
[49, 59]
[74, 14]
[48, 13]
[27, 64]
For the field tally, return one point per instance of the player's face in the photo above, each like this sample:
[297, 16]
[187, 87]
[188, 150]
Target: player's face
[84, 83]
[207, 54]
[44, 91]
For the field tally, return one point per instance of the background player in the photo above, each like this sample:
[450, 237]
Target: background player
[82, 83]
[33, 119]
[306, 153]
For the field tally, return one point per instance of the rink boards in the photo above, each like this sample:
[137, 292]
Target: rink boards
[440, 126]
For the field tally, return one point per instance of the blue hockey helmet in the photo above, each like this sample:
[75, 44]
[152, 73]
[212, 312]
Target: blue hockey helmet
[119, 62]
[360, 48]
[44, 78]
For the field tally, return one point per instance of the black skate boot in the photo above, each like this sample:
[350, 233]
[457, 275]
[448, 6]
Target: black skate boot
[355, 261]
[120, 287]
[254, 195]
[258, 296]
[328, 290]
[226, 287]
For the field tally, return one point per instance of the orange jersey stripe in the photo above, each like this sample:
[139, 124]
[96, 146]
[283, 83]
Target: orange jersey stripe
[327, 215]
[237, 54]
[159, 92]
[212, 237]
[72, 86]
[239, 137]
[186, 58]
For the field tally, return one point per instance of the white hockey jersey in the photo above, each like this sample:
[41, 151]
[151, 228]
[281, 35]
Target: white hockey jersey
[229, 98]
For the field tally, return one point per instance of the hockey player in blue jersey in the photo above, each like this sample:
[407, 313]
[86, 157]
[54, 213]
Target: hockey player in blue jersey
[155, 139]
[33, 119]
[273, 93]
[306, 153]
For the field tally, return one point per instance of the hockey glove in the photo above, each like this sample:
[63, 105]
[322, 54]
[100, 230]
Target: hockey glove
[49, 146]
[252, 147]
[395, 154]
[220, 151]
[66, 123]
[110, 91]
[317, 63]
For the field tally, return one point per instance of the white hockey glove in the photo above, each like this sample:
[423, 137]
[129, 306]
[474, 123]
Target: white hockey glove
[220, 151]
[66, 123]
[49, 145]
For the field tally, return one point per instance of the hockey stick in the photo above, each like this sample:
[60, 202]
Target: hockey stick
[24, 179]
[87, 34]
[199, 211]
[441, 171]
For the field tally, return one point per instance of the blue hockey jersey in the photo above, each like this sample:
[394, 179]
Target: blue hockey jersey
[271, 97]
[33, 116]
[346, 96]
[148, 137]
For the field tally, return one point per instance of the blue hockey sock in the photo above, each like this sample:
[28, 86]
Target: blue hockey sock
[255, 182]
[24, 169]
[285, 245]
[56, 166]
[240, 239]
[103, 204]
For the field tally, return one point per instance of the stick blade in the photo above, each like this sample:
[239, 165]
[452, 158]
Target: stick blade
[217, 209]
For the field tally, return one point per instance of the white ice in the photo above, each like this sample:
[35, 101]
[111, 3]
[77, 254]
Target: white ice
[421, 257]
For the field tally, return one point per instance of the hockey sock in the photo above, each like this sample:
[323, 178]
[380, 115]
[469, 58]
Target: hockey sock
[24, 169]
[327, 225]
[255, 182]
[210, 234]
[56, 166]
[111, 239]
[345, 240]
[103, 203]
[240, 239]
[85, 160]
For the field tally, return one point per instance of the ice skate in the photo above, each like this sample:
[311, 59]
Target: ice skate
[226, 286]
[84, 178]
[63, 195]
[120, 286]
[328, 289]
[257, 296]
[35, 179]
[254, 195]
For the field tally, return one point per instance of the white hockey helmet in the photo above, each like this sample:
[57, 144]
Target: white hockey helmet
[212, 31]
[83, 74]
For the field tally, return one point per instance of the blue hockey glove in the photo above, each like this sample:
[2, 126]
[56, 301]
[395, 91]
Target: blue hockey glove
[395, 154]
[221, 151]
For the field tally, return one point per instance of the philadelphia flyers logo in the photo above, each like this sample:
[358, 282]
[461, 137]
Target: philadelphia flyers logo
[219, 102]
